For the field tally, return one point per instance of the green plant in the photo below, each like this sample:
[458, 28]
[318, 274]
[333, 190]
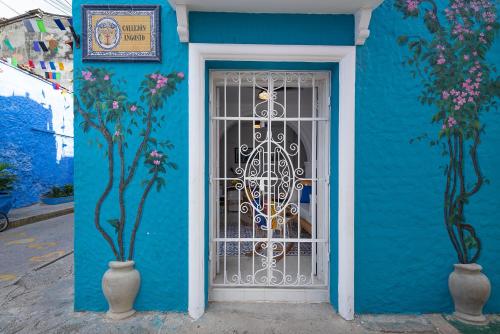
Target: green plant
[7, 178]
[57, 192]
[460, 84]
[107, 111]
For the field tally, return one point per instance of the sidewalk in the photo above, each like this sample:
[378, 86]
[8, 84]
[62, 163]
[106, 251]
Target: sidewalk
[38, 212]
[42, 302]
[29, 247]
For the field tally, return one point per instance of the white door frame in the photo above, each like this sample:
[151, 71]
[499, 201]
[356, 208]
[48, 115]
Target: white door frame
[346, 57]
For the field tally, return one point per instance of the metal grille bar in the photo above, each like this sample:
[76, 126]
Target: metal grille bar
[269, 177]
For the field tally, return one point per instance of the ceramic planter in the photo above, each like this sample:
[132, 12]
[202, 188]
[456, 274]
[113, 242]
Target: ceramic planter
[120, 285]
[470, 290]
[56, 200]
[5, 202]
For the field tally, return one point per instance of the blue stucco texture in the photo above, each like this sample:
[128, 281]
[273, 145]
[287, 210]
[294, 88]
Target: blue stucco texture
[29, 146]
[161, 245]
[402, 253]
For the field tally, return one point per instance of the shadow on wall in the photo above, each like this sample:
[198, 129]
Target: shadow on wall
[30, 145]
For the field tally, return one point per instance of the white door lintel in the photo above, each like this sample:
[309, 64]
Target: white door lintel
[198, 55]
[361, 9]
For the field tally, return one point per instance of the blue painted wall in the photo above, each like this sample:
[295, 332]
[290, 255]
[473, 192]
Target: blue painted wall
[28, 143]
[242, 28]
[403, 256]
[161, 244]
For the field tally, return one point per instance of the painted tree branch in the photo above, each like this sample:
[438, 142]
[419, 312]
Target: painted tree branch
[142, 146]
[121, 199]
[109, 185]
[458, 81]
[108, 107]
[447, 201]
[475, 164]
[138, 217]
[124, 182]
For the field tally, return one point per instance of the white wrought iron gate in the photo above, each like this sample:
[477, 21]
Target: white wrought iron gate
[269, 182]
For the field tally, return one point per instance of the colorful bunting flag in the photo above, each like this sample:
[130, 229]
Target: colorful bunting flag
[41, 25]
[43, 46]
[59, 24]
[53, 75]
[52, 66]
[28, 25]
[61, 66]
[31, 64]
[56, 85]
[14, 62]
[7, 42]
[42, 65]
[34, 25]
[36, 46]
[70, 21]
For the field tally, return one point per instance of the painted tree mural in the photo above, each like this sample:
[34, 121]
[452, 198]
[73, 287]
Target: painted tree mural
[105, 107]
[460, 85]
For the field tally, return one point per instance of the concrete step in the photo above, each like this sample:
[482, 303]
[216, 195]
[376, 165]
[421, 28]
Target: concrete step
[38, 212]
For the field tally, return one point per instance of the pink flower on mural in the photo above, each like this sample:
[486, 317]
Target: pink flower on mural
[157, 162]
[161, 81]
[412, 5]
[451, 122]
[489, 17]
[155, 154]
[133, 108]
[106, 77]
[180, 75]
[87, 76]
[115, 104]
[117, 133]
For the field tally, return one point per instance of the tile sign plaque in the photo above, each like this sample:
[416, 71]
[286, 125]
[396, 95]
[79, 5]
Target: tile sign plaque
[121, 33]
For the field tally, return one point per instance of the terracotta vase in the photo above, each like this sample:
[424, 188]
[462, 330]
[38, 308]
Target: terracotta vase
[470, 290]
[120, 285]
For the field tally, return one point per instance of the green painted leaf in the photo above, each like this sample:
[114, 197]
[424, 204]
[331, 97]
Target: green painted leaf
[115, 223]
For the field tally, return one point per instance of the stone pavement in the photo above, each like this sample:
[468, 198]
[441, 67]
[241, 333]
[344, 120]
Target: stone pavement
[40, 300]
[29, 247]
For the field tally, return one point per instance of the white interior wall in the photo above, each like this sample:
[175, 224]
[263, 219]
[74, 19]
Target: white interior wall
[232, 107]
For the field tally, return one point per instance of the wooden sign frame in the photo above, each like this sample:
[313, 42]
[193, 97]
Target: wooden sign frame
[115, 48]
